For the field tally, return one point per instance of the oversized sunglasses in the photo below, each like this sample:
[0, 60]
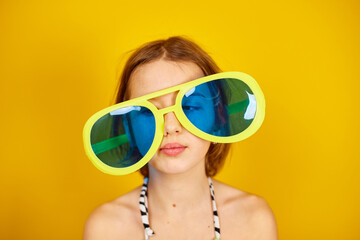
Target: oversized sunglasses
[224, 107]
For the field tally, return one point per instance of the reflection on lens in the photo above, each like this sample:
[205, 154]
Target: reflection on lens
[120, 138]
[223, 107]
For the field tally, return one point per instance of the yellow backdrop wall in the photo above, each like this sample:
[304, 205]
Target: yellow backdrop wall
[59, 63]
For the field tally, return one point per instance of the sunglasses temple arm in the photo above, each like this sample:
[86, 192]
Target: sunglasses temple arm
[109, 144]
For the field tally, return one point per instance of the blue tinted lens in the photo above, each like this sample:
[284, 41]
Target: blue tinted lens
[223, 107]
[120, 138]
[198, 106]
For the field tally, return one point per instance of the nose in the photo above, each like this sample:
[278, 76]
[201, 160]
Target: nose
[171, 124]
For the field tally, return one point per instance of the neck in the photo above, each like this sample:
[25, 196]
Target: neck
[170, 193]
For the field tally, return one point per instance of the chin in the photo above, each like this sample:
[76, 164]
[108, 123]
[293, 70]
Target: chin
[174, 166]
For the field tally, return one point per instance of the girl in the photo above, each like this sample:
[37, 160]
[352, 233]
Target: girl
[177, 200]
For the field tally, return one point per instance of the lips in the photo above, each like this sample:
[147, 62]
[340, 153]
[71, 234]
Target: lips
[172, 149]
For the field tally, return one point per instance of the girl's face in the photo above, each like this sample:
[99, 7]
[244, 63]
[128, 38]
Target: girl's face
[180, 150]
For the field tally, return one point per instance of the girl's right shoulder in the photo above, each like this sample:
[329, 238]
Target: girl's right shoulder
[117, 219]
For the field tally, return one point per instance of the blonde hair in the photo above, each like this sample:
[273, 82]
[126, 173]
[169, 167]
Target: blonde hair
[175, 49]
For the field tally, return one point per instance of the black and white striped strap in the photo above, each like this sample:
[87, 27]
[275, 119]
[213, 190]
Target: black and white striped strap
[145, 216]
[215, 213]
[144, 210]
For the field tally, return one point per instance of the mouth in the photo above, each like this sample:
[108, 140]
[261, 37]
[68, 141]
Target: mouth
[172, 149]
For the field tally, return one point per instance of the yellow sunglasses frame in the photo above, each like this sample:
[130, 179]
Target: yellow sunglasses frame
[180, 115]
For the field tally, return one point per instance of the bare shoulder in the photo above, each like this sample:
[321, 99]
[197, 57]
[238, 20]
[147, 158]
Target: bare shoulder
[117, 219]
[247, 215]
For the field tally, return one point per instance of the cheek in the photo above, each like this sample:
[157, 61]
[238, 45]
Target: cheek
[199, 146]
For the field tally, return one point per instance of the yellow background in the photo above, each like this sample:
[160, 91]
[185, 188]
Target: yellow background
[59, 63]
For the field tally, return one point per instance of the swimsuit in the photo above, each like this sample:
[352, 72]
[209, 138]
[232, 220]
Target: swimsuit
[145, 216]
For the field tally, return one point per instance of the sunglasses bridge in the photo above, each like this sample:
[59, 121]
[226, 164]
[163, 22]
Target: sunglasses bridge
[166, 110]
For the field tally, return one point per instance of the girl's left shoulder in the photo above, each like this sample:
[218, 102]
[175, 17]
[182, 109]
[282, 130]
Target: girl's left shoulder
[244, 213]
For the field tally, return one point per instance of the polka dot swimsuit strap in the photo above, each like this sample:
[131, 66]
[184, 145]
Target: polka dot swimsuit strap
[145, 215]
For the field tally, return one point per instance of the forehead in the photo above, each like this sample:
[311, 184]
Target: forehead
[161, 74]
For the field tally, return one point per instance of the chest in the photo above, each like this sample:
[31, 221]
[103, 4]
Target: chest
[184, 229]
[195, 225]
[198, 227]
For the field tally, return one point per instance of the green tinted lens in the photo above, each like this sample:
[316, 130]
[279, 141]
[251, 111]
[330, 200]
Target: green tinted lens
[120, 139]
